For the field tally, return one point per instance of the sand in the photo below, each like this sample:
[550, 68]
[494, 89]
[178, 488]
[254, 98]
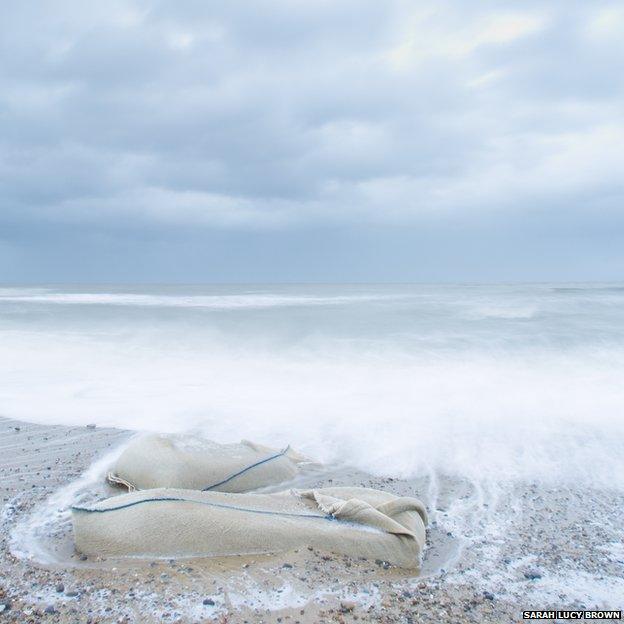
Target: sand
[492, 552]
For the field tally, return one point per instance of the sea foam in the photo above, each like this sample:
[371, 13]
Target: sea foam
[398, 381]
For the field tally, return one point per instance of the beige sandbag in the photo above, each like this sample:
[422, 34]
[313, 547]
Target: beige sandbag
[193, 463]
[179, 523]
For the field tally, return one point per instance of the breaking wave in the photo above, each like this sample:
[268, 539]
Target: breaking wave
[398, 381]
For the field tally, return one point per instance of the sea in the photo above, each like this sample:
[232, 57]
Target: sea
[500, 383]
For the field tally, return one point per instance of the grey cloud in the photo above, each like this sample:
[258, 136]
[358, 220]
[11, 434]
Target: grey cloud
[152, 115]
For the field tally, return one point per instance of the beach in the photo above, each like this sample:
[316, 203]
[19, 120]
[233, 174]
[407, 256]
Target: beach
[498, 406]
[492, 552]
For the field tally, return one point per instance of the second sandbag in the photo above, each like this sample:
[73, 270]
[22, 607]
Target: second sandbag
[194, 463]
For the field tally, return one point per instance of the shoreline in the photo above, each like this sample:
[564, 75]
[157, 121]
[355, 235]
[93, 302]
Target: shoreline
[490, 555]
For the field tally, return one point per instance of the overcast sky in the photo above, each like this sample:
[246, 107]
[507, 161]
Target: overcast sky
[311, 140]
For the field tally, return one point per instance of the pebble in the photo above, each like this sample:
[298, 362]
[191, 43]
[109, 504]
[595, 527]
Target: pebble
[50, 610]
[60, 588]
[209, 602]
[347, 605]
[488, 595]
[532, 575]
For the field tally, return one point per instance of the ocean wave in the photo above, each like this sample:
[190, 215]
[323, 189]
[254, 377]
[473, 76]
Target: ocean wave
[518, 312]
[20, 291]
[217, 302]
[546, 415]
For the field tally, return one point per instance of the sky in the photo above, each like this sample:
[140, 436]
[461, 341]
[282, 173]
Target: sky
[321, 141]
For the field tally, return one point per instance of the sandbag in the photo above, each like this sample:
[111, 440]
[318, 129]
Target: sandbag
[359, 522]
[190, 462]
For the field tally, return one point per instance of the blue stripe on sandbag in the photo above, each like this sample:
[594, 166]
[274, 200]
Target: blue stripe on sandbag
[244, 470]
[210, 504]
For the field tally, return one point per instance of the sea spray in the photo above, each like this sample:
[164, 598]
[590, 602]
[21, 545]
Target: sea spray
[510, 383]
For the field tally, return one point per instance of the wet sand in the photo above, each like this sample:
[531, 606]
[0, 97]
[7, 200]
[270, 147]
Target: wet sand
[492, 552]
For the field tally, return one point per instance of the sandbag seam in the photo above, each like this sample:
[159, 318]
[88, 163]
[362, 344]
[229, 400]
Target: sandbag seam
[210, 504]
[240, 472]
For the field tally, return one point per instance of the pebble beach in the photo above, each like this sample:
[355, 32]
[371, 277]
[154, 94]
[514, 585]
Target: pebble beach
[492, 552]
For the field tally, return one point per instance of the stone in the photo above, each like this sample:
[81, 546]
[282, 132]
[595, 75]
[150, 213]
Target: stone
[347, 605]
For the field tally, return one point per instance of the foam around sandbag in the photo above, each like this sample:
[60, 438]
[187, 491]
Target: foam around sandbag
[189, 462]
[359, 522]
